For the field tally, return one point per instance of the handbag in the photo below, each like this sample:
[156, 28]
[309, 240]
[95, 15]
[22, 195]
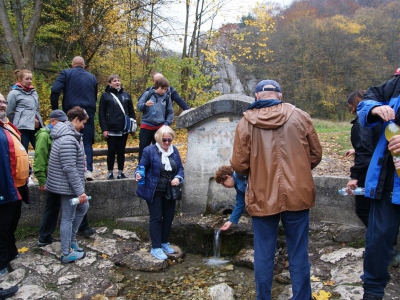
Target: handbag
[130, 124]
[174, 192]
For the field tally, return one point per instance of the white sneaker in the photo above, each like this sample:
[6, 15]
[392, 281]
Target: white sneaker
[88, 176]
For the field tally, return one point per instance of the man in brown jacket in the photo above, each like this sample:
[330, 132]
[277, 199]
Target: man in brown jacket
[276, 146]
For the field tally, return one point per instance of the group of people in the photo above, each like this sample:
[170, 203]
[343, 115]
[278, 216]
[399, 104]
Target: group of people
[276, 147]
[64, 154]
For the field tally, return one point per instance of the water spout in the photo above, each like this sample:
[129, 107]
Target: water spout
[217, 243]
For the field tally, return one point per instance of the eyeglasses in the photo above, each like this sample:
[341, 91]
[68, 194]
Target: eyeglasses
[167, 140]
[4, 102]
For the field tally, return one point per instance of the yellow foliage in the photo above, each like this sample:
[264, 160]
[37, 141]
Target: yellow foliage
[322, 295]
[23, 250]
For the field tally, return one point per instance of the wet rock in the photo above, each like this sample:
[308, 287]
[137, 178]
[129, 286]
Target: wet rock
[15, 277]
[126, 234]
[113, 290]
[104, 245]
[101, 230]
[350, 292]
[283, 277]
[29, 292]
[221, 292]
[143, 261]
[69, 279]
[348, 253]
[89, 259]
[347, 233]
[348, 274]
[244, 258]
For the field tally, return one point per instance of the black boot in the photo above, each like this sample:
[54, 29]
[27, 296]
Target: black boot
[6, 293]
[371, 297]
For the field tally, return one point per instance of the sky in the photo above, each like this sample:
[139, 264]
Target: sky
[231, 13]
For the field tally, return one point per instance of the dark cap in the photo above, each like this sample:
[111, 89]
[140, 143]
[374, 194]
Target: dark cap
[261, 84]
[396, 72]
[59, 115]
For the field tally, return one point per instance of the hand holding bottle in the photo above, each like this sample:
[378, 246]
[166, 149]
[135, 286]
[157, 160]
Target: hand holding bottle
[392, 132]
[385, 112]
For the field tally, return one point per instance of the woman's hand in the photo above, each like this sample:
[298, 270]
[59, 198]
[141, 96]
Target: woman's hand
[350, 152]
[226, 225]
[105, 134]
[175, 181]
[137, 176]
[82, 198]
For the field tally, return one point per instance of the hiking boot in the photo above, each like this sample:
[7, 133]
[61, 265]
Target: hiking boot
[72, 256]
[122, 176]
[88, 175]
[110, 176]
[167, 248]
[45, 243]
[87, 232]
[75, 246]
[6, 293]
[158, 253]
[371, 297]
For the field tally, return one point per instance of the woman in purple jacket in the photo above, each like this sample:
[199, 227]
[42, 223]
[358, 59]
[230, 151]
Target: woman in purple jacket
[163, 167]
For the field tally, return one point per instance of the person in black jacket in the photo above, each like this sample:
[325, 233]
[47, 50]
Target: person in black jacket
[363, 140]
[380, 105]
[112, 122]
[173, 94]
[79, 88]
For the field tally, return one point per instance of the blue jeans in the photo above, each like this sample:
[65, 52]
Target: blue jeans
[71, 218]
[28, 136]
[384, 221]
[296, 226]
[88, 140]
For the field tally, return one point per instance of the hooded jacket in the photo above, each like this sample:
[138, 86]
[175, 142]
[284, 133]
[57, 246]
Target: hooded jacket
[42, 154]
[277, 146]
[111, 117]
[66, 168]
[14, 164]
[162, 105]
[23, 108]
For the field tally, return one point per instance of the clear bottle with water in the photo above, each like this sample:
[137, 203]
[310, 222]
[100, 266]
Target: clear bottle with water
[142, 173]
[1, 198]
[152, 108]
[75, 201]
[356, 191]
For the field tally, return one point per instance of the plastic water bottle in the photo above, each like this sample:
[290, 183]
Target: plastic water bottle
[391, 130]
[152, 109]
[75, 201]
[357, 191]
[1, 198]
[142, 173]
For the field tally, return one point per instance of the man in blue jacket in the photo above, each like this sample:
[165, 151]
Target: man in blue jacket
[79, 88]
[381, 104]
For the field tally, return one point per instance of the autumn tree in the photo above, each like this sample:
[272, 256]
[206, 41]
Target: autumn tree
[20, 21]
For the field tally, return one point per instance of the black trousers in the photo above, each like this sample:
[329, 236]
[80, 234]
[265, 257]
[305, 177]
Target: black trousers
[116, 145]
[146, 138]
[162, 212]
[9, 217]
[50, 218]
[363, 206]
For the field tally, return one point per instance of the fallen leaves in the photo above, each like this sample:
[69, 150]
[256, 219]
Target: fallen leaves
[23, 250]
[322, 295]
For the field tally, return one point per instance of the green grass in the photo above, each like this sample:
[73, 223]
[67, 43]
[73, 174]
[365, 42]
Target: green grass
[324, 126]
[26, 232]
[112, 224]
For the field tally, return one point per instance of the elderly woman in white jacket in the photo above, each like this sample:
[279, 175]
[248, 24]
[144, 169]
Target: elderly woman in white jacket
[65, 177]
[23, 107]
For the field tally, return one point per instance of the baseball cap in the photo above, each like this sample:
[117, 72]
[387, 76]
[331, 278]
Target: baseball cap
[396, 72]
[59, 115]
[261, 84]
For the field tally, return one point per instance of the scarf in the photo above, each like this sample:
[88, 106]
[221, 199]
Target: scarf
[164, 156]
[264, 103]
[19, 85]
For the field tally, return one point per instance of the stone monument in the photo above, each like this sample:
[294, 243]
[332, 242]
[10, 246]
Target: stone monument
[211, 130]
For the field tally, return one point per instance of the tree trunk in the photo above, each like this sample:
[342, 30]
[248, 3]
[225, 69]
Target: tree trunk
[22, 45]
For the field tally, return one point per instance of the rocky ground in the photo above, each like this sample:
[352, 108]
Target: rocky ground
[118, 266]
